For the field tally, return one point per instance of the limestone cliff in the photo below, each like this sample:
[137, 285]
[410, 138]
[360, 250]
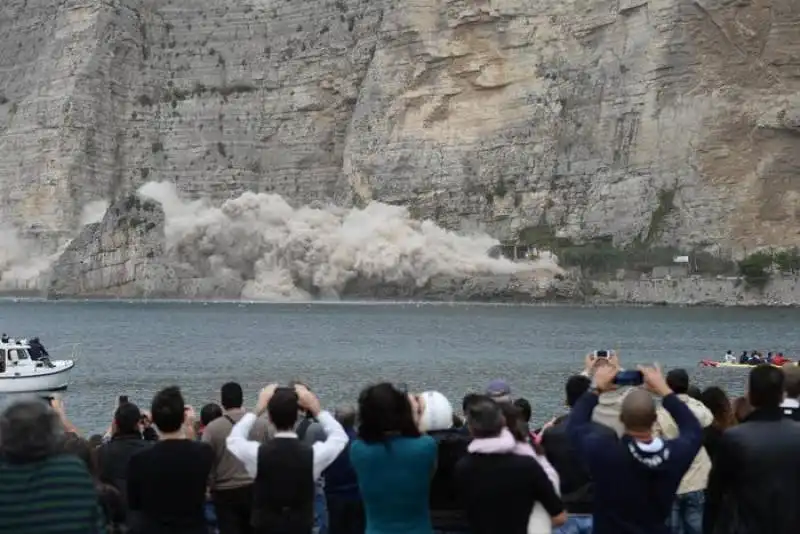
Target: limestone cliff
[120, 256]
[582, 114]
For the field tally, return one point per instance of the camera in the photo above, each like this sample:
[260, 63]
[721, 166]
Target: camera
[629, 378]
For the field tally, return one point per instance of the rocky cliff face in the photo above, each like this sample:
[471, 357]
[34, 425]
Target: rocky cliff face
[121, 256]
[671, 121]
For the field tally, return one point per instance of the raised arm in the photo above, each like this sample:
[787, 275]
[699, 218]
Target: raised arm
[325, 452]
[580, 419]
[579, 422]
[237, 441]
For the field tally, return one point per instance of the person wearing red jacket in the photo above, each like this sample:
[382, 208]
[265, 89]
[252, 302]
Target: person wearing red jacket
[779, 360]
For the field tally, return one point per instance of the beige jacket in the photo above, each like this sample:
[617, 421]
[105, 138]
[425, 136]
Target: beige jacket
[609, 408]
[696, 477]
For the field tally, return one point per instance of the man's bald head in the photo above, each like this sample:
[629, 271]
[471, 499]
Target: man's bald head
[638, 411]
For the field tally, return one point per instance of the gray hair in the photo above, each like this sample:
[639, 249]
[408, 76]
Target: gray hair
[346, 415]
[29, 430]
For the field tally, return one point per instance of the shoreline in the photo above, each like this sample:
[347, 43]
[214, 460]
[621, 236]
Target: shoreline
[26, 297]
[782, 292]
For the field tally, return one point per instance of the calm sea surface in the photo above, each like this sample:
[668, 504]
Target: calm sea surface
[137, 348]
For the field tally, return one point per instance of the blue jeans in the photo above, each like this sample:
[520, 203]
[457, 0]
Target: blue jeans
[320, 511]
[211, 515]
[576, 524]
[687, 513]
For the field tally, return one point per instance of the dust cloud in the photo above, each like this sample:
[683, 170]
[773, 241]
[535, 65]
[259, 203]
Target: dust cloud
[93, 212]
[282, 252]
[22, 264]
[273, 251]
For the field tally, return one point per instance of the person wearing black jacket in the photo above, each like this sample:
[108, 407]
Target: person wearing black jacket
[126, 441]
[37, 350]
[577, 488]
[637, 476]
[447, 513]
[754, 485]
[499, 491]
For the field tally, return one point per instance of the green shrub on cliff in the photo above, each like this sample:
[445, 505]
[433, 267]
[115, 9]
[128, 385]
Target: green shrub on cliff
[755, 269]
[788, 261]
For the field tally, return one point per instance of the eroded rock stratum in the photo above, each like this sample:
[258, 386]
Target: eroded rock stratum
[581, 114]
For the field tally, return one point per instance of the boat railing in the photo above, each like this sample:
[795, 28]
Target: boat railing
[73, 348]
[75, 352]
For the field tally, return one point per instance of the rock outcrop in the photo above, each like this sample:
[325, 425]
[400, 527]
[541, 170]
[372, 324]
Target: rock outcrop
[121, 256]
[668, 121]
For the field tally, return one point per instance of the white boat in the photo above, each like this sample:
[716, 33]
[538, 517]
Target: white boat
[20, 374]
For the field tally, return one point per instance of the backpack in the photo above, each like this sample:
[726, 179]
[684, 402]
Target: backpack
[302, 428]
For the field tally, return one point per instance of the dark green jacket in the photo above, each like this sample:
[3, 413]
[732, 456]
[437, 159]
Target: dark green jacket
[51, 496]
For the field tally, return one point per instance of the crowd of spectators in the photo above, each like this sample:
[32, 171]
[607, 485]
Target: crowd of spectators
[662, 457]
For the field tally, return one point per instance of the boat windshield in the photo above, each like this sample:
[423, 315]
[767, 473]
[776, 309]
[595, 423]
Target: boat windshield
[17, 354]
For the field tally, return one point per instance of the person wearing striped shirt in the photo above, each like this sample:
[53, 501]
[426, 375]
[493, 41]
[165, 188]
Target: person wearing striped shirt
[42, 489]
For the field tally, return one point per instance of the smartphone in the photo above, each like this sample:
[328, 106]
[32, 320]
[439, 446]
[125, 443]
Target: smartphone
[629, 378]
[123, 399]
[602, 353]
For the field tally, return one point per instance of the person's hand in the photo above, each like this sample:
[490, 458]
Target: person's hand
[654, 380]
[604, 378]
[588, 363]
[189, 415]
[307, 400]
[548, 424]
[417, 403]
[58, 406]
[613, 359]
[264, 397]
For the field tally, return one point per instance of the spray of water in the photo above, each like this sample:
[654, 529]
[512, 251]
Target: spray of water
[281, 252]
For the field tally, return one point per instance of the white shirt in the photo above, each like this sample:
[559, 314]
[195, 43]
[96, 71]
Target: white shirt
[790, 406]
[325, 452]
[729, 358]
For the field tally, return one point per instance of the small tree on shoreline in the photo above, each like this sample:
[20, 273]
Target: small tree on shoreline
[755, 269]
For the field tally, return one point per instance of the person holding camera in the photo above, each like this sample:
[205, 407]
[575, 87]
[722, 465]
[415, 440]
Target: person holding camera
[285, 469]
[126, 440]
[637, 476]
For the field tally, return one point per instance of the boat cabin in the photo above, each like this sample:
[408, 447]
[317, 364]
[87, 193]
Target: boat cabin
[12, 354]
